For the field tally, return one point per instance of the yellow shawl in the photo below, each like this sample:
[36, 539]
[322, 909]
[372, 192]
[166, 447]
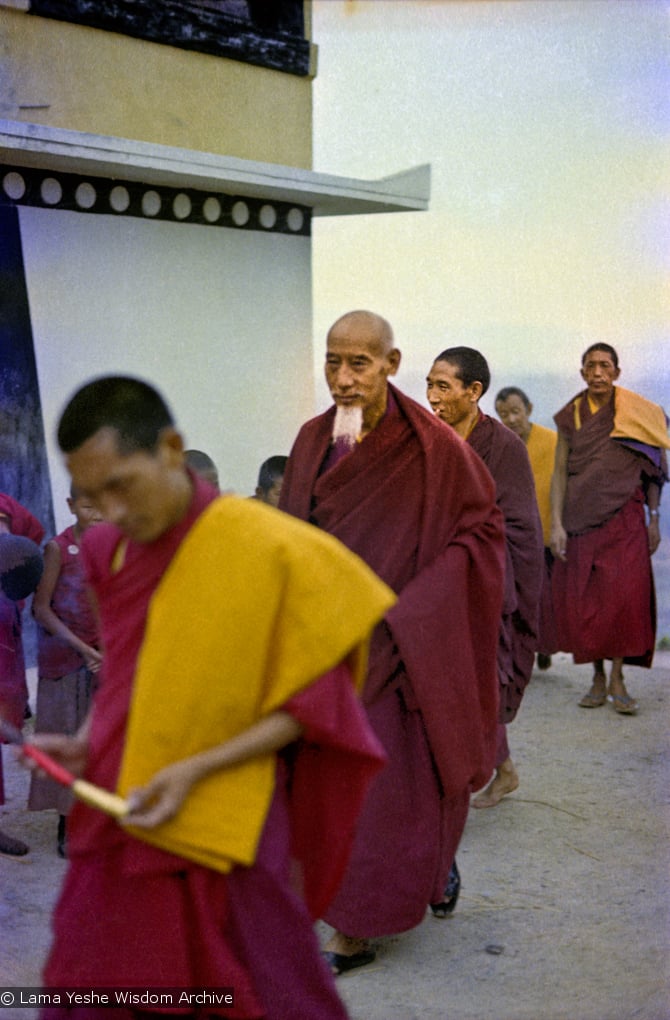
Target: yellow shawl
[541, 447]
[635, 418]
[254, 607]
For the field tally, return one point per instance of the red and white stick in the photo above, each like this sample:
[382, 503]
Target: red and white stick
[92, 795]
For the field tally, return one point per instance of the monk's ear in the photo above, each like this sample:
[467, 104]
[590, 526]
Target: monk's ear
[393, 357]
[171, 446]
[617, 373]
[529, 409]
[476, 389]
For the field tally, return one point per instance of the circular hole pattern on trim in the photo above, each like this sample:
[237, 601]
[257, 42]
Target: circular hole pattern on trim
[295, 219]
[40, 188]
[240, 214]
[151, 203]
[267, 217]
[182, 206]
[211, 209]
[14, 185]
[85, 195]
[51, 191]
[119, 199]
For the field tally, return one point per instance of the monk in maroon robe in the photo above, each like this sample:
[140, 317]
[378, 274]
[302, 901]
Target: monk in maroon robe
[514, 409]
[15, 519]
[610, 462]
[458, 379]
[379, 473]
[131, 913]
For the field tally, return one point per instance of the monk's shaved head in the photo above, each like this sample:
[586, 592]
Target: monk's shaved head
[374, 324]
[360, 357]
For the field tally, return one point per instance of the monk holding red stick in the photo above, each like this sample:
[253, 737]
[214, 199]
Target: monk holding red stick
[234, 639]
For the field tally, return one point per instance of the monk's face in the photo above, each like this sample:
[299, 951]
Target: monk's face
[515, 415]
[452, 401]
[599, 373]
[359, 361]
[144, 493]
[271, 496]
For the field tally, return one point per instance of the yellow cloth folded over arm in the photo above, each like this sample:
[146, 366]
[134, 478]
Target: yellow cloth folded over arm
[254, 607]
[639, 419]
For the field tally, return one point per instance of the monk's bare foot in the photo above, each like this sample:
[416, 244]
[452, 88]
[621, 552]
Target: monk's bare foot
[618, 689]
[345, 946]
[505, 781]
[619, 697]
[617, 686]
[598, 693]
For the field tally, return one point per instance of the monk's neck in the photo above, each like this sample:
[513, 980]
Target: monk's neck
[599, 400]
[466, 425]
[372, 416]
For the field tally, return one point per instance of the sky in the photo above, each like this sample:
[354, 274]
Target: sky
[546, 124]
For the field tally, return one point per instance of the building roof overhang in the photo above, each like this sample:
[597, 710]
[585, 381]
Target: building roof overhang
[42, 147]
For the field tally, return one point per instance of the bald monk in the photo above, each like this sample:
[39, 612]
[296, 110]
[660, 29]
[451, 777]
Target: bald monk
[379, 473]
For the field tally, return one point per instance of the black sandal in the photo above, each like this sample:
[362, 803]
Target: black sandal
[451, 894]
[339, 963]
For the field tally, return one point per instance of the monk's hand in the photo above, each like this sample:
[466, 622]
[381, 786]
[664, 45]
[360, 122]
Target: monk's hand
[70, 752]
[559, 541]
[93, 659]
[653, 535]
[162, 797]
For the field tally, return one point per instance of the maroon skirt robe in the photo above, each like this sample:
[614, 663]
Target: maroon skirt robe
[130, 914]
[603, 593]
[418, 506]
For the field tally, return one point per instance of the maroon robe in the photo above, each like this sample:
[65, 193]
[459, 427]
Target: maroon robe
[72, 605]
[547, 640]
[13, 686]
[506, 457]
[131, 915]
[604, 602]
[419, 507]
[20, 520]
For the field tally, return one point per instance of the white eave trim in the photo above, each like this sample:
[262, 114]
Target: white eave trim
[41, 147]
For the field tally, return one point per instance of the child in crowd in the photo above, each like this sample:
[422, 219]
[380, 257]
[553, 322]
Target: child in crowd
[68, 654]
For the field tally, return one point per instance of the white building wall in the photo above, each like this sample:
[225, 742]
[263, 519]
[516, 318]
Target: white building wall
[218, 319]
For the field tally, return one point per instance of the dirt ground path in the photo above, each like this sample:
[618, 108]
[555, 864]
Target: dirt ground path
[565, 907]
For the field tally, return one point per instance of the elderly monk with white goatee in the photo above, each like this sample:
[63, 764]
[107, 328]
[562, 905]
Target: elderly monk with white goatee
[380, 473]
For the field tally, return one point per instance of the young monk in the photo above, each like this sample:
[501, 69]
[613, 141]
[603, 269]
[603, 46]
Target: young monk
[227, 715]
